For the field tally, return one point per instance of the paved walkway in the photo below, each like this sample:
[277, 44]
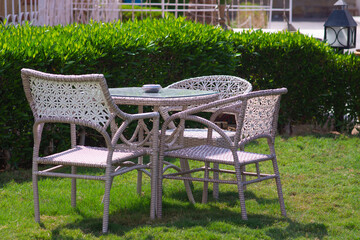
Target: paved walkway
[311, 28]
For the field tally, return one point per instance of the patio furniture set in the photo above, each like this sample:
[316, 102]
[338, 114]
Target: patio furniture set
[85, 100]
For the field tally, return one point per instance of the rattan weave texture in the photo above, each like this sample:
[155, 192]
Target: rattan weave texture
[208, 153]
[90, 156]
[226, 85]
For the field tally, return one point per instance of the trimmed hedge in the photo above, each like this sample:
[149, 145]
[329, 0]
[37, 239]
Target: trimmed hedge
[321, 82]
[164, 51]
[298, 62]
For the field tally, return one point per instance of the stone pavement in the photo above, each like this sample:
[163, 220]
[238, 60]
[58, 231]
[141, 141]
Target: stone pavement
[311, 28]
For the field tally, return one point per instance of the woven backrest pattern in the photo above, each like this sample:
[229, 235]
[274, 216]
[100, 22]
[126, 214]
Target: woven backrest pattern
[260, 114]
[77, 100]
[227, 86]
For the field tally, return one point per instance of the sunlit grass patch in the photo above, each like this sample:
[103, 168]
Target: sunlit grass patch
[321, 185]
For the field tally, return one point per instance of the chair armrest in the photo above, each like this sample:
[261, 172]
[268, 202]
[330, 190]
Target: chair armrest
[131, 117]
[138, 116]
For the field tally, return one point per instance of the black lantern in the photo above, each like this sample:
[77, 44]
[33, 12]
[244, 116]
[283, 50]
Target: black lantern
[340, 27]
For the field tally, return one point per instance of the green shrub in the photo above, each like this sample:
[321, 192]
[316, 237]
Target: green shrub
[321, 83]
[298, 62]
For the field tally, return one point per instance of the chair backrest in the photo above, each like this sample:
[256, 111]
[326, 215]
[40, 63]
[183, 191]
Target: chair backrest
[259, 115]
[79, 99]
[226, 85]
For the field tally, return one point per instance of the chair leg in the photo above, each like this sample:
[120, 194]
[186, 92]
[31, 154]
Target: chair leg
[36, 198]
[206, 184]
[279, 188]
[153, 181]
[243, 169]
[243, 176]
[106, 200]
[159, 187]
[216, 185]
[140, 159]
[241, 193]
[184, 164]
[111, 182]
[73, 188]
[139, 176]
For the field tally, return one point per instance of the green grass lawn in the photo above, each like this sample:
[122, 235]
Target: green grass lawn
[321, 184]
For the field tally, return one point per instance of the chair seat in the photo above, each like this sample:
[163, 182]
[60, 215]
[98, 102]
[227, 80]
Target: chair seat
[200, 133]
[198, 136]
[86, 156]
[217, 155]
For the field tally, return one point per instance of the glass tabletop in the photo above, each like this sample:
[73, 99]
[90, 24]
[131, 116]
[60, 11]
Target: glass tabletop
[163, 93]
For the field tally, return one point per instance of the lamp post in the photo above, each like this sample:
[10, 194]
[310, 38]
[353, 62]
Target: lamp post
[340, 28]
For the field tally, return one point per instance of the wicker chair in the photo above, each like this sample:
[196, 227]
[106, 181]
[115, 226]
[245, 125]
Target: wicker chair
[82, 100]
[227, 86]
[258, 114]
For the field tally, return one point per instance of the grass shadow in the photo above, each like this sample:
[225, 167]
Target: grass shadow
[231, 198]
[180, 216]
[17, 176]
[25, 175]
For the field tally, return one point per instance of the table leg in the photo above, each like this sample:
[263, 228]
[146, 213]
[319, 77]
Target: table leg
[140, 159]
[155, 168]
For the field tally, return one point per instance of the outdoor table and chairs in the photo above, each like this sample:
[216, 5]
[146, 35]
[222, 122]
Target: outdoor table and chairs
[86, 101]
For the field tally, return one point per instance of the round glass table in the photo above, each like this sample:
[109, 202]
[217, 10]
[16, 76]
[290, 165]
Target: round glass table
[165, 97]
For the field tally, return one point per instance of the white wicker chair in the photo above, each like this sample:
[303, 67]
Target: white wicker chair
[227, 86]
[82, 100]
[257, 118]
